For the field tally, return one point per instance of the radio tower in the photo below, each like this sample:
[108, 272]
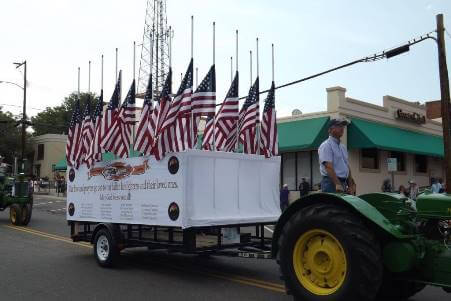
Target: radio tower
[155, 47]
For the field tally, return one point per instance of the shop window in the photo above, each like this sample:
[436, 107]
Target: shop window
[40, 152]
[289, 170]
[369, 158]
[400, 160]
[304, 168]
[421, 164]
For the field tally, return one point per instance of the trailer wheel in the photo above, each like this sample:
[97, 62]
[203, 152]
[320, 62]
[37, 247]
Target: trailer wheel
[26, 214]
[105, 248]
[15, 214]
[326, 253]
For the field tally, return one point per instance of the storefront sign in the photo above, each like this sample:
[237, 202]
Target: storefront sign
[411, 117]
[392, 164]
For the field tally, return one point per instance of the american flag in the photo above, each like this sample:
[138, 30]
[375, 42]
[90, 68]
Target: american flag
[249, 118]
[159, 116]
[111, 111]
[174, 127]
[144, 135]
[208, 141]
[95, 151]
[227, 119]
[74, 134]
[204, 98]
[87, 134]
[119, 137]
[269, 138]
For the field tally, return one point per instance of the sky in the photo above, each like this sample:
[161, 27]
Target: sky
[58, 36]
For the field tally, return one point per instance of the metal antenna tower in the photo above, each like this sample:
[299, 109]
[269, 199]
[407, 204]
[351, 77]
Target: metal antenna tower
[155, 47]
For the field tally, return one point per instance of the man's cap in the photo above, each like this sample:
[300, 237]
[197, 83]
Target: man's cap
[412, 181]
[338, 122]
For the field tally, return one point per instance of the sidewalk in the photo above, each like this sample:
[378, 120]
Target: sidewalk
[52, 195]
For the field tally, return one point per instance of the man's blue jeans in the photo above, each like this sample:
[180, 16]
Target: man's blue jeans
[327, 185]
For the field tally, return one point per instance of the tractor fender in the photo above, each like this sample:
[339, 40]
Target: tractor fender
[112, 228]
[354, 203]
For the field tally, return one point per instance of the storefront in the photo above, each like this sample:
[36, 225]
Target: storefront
[397, 129]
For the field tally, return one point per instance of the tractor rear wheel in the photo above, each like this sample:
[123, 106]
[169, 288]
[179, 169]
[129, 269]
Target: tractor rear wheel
[27, 210]
[326, 253]
[15, 214]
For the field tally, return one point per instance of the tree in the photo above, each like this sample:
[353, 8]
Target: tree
[11, 133]
[56, 120]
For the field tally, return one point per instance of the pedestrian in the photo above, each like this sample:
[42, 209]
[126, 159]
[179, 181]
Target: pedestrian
[441, 186]
[386, 186]
[284, 197]
[334, 163]
[402, 191]
[413, 190]
[304, 187]
[435, 187]
[35, 185]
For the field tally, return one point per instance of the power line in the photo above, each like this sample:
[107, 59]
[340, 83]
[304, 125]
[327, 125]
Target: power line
[388, 53]
[8, 105]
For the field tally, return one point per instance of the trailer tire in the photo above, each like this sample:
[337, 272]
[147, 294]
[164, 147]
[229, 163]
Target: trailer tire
[106, 250]
[327, 253]
[15, 214]
[27, 210]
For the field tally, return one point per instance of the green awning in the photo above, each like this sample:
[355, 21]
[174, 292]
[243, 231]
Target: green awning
[367, 134]
[302, 134]
[61, 165]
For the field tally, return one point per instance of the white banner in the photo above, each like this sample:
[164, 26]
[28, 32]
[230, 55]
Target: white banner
[190, 189]
[130, 191]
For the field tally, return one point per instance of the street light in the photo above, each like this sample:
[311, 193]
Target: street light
[11, 83]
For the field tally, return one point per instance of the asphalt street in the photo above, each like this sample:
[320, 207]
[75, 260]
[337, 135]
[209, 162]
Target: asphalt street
[40, 262]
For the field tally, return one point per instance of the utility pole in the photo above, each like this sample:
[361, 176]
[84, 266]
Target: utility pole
[445, 98]
[24, 113]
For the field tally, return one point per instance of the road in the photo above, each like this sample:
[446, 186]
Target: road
[39, 262]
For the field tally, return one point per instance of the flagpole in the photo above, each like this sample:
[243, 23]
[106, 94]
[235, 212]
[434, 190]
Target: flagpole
[192, 57]
[116, 64]
[258, 125]
[214, 117]
[89, 78]
[78, 89]
[134, 78]
[231, 69]
[250, 70]
[272, 53]
[237, 145]
[101, 75]
[197, 77]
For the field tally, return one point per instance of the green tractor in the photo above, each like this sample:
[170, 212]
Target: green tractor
[14, 193]
[376, 246]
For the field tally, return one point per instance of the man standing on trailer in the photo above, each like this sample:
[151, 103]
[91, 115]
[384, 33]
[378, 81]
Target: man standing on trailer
[334, 163]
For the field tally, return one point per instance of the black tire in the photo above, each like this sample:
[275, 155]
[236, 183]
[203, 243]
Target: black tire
[392, 289]
[15, 214]
[105, 248]
[364, 268]
[27, 210]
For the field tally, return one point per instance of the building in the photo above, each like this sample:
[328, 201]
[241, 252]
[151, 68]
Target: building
[398, 129]
[48, 150]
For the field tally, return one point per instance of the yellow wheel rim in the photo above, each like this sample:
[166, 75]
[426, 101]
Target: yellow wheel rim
[13, 216]
[319, 262]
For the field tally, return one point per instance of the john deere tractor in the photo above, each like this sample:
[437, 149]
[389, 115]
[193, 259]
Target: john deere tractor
[15, 195]
[376, 246]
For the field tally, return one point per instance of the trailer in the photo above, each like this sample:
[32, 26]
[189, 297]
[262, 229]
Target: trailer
[197, 202]
[330, 246]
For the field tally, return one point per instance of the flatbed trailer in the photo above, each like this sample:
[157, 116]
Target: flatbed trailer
[252, 243]
[195, 202]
